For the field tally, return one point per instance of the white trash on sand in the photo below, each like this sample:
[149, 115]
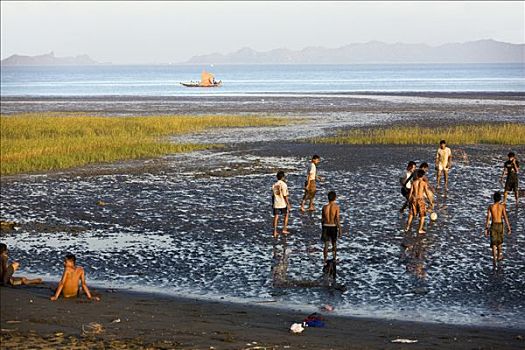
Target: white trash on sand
[404, 341]
[297, 328]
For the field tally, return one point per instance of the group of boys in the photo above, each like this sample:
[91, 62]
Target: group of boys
[69, 283]
[417, 190]
[330, 219]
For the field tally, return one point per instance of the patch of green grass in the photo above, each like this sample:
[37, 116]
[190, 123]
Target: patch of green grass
[494, 133]
[44, 142]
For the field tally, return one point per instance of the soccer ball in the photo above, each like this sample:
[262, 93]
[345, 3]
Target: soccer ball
[433, 216]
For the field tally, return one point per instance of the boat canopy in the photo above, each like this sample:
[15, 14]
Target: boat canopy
[207, 79]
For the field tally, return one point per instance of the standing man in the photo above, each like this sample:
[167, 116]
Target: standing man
[331, 226]
[310, 185]
[511, 168]
[496, 213]
[417, 200]
[406, 183]
[281, 205]
[443, 162]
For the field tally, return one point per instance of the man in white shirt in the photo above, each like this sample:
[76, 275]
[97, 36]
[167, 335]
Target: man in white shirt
[281, 205]
[309, 185]
[443, 162]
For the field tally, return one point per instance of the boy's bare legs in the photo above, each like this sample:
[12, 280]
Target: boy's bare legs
[500, 252]
[285, 224]
[446, 178]
[27, 281]
[494, 255]
[410, 218]
[311, 207]
[275, 221]
[505, 193]
[325, 252]
[421, 225]
[334, 251]
[438, 177]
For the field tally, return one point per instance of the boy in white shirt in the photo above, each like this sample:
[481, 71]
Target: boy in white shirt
[281, 205]
[310, 184]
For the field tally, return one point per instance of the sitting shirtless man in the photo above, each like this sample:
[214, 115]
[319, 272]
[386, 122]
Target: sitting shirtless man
[73, 274]
[331, 226]
[417, 202]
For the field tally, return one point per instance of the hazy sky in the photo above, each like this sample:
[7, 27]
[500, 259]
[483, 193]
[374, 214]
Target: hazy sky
[159, 32]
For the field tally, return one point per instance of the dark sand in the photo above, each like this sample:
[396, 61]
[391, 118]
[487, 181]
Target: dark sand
[29, 320]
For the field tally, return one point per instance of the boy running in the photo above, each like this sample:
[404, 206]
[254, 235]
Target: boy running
[331, 226]
[281, 205]
[443, 162]
[511, 168]
[310, 185]
[496, 212]
[416, 198]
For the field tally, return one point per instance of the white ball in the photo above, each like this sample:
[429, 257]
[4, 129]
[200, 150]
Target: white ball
[433, 216]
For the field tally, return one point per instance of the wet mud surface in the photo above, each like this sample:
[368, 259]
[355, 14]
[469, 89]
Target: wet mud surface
[199, 224]
[184, 230]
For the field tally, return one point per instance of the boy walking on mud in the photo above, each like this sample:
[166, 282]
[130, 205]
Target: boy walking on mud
[416, 199]
[443, 162]
[496, 211]
[331, 226]
[72, 276]
[511, 168]
[310, 184]
[281, 205]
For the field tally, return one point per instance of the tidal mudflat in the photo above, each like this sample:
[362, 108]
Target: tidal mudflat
[198, 224]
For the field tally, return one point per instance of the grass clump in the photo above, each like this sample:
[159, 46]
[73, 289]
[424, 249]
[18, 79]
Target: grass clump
[493, 133]
[44, 142]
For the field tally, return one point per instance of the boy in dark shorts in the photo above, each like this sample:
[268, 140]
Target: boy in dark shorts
[8, 270]
[496, 211]
[331, 226]
[280, 204]
[511, 168]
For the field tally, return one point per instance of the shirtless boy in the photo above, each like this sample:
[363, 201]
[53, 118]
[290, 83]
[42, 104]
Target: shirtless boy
[7, 271]
[416, 198]
[443, 162]
[496, 211]
[281, 205]
[310, 185]
[331, 226]
[511, 168]
[68, 285]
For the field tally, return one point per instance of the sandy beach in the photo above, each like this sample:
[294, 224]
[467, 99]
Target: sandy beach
[29, 320]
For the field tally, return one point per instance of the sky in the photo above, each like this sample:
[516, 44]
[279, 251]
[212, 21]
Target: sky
[164, 32]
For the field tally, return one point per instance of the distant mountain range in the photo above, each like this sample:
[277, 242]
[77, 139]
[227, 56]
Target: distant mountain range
[481, 51]
[47, 60]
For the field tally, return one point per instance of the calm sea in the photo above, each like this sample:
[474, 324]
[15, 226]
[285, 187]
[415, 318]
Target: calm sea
[163, 80]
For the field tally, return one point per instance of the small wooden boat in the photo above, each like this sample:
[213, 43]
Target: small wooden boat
[193, 84]
[207, 80]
